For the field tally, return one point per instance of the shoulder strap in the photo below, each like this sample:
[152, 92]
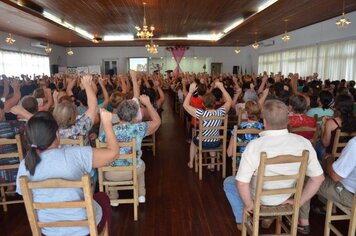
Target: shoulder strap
[336, 123]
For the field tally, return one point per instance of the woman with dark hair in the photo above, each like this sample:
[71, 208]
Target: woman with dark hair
[46, 160]
[125, 131]
[325, 101]
[209, 101]
[297, 106]
[343, 119]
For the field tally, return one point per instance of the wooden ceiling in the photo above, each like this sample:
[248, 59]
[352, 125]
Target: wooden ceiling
[170, 18]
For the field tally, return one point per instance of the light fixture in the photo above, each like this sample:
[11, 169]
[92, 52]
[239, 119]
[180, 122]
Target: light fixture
[119, 37]
[48, 49]
[237, 50]
[256, 45]
[145, 32]
[343, 22]
[152, 48]
[285, 36]
[97, 39]
[69, 50]
[9, 39]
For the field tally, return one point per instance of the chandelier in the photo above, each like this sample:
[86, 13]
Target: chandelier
[10, 40]
[144, 32]
[152, 48]
[286, 36]
[256, 45]
[48, 49]
[70, 52]
[343, 22]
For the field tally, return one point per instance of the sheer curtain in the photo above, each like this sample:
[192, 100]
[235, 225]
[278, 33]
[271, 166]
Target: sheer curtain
[16, 63]
[301, 60]
[338, 60]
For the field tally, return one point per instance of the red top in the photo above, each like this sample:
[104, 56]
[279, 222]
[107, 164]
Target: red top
[302, 120]
[196, 102]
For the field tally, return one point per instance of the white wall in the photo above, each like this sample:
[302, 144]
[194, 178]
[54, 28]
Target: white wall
[316, 34]
[57, 56]
[84, 56]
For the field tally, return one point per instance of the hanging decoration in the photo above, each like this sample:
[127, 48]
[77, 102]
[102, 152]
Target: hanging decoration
[177, 53]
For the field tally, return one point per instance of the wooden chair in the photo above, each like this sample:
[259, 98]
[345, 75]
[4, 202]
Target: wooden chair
[106, 185]
[3, 186]
[340, 141]
[70, 141]
[220, 157]
[150, 141]
[348, 214]
[237, 145]
[315, 130]
[240, 116]
[291, 212]
[31, 206]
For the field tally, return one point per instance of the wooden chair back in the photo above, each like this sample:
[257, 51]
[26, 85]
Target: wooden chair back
[70, 141]
[19, 154]
[348, 214]
[107, 185]
[150, 141]
[32, 207]
[236, 153]
[340, 141]
[221, 136]
[315, 131]
[282, 210]
[240, 116]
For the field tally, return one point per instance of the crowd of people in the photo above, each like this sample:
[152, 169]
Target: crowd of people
[117, 109]
[276, 104]
[45, 110]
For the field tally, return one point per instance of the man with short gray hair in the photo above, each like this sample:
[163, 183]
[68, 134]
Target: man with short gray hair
[275, 140]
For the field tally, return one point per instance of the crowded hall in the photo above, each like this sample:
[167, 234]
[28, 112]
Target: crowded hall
[129, 117]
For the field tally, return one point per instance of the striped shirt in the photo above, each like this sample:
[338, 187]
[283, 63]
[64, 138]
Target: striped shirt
[210, 123]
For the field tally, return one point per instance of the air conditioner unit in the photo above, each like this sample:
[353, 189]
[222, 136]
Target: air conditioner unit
[267, 43]
[39, 44]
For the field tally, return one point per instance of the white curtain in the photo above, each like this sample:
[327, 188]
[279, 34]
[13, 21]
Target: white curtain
[16, 63]
[338, 61]
[301, 60]
[335, 61]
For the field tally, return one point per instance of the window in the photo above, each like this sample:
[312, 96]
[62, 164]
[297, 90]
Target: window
[16, 63]
[338, 60]
[301, 60]
[335, 61]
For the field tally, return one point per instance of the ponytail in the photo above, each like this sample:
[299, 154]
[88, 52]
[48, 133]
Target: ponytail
[31, 160]
[37, 139]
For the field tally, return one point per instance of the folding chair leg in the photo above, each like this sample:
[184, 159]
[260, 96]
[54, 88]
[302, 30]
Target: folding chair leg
[244, 223]
[200, 166]
[278, 224]
[329, 209]
[3, 196]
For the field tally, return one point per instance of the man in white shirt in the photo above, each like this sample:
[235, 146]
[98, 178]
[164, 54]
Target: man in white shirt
[340, 183]
[276, 140]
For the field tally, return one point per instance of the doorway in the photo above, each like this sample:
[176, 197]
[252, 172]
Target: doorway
[216, 68]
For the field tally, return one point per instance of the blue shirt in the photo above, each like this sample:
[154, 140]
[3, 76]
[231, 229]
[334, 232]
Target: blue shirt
[67, 163]
[125, 133]
[246, 138]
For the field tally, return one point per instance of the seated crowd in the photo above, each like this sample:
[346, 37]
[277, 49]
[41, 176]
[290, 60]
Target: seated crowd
[45, 110]
[277, 105]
